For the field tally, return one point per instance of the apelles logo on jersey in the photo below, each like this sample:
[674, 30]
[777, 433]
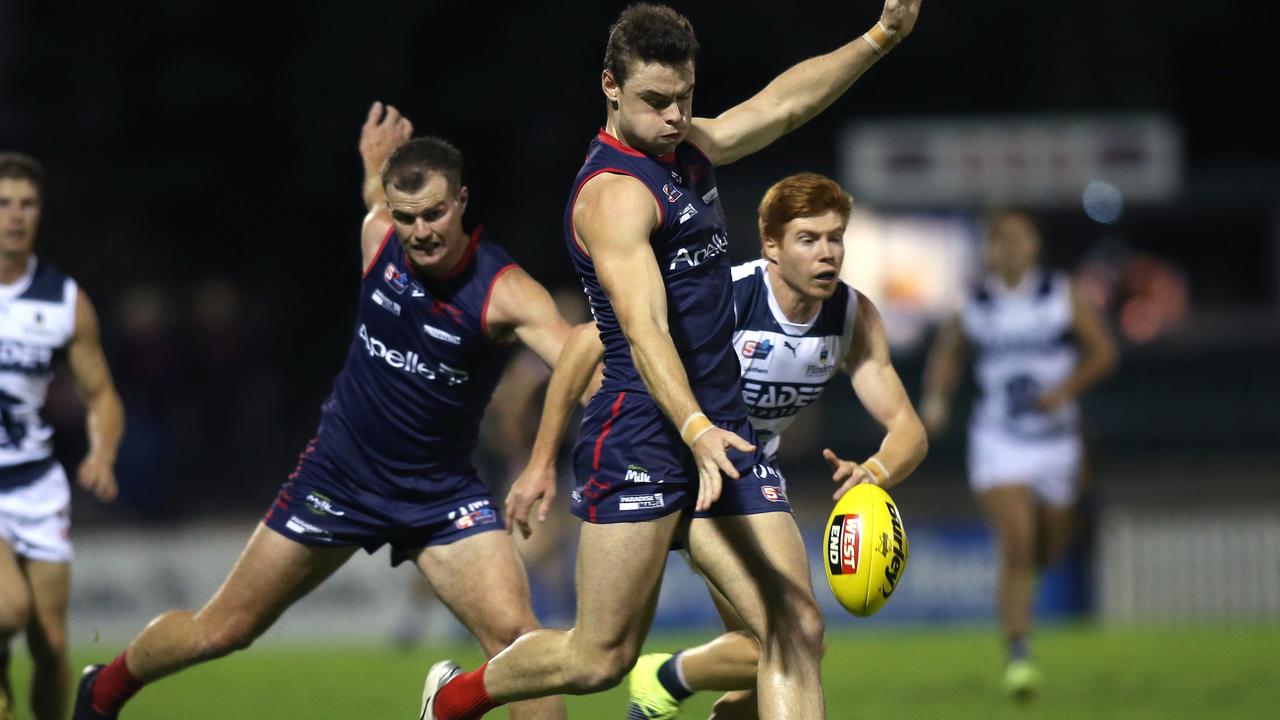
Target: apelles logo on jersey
[410, 362]
[718, 246]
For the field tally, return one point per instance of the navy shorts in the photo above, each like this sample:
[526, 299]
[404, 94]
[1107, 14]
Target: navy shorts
[632, 466]
[320, 506]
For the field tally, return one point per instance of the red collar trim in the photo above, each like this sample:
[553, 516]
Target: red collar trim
[616, 144]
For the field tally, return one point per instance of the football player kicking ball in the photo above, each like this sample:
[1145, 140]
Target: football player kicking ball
[797, 326]
[390, 464]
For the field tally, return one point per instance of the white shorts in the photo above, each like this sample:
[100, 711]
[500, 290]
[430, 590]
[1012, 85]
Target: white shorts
[1050, 467]
[35, 519]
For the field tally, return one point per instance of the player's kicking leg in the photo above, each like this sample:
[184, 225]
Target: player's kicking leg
[272, 573]
[768, 584]
[1011, 511]
[660, 682]
[618, 576]
[482, 580]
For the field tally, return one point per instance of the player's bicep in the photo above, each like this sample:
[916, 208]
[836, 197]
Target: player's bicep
[521, 303]
[614, 217]
[374, 232]
[86, 362]
[741, 130]
[871, 371]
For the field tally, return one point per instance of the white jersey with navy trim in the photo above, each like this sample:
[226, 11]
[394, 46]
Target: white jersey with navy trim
[1023, 345]
[37, 321]
[785, 365]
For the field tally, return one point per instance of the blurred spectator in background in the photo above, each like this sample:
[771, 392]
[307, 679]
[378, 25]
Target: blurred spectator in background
[1036, 344]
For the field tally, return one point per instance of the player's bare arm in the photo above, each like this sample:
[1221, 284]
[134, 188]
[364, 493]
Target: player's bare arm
[521, 306]
[384, 130]
[578, 364]
[104, 413]
[1098, 355]
[880, 391]
[613, 218]
[800, 93]
[946, 360]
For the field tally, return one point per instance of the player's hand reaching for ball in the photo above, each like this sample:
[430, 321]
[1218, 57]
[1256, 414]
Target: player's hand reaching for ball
[845, 473]
[899, 16]
[97, 475]
[384, 130]
[709, 452]
[537, 482]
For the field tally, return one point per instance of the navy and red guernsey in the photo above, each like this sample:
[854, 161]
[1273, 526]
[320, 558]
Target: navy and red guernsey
[630, 462]
[391, 461]
[692, 248]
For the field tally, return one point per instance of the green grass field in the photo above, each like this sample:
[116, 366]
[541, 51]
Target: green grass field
[1165, 674]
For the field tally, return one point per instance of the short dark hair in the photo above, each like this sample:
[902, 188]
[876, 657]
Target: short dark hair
[17, 166]
[649, 33]
[408, 168]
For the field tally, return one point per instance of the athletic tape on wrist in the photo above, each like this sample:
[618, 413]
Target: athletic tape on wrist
[688, 420]
[879, 473]
[880, 38]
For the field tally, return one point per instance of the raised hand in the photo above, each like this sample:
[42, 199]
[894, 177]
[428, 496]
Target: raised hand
[899, 16]
[384, 130]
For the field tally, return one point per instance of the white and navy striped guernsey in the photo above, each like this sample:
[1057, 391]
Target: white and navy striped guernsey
[1023, 345]
[37, 321]
[785, 365]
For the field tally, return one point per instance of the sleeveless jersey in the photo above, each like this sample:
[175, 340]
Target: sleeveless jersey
[1023, 345]
[405, 410]
[785, 366]
[37, 321]
[691, 246]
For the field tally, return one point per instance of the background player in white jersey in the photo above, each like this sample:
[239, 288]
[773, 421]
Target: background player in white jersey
[1036, 344]
[43, 314]
[797, 325]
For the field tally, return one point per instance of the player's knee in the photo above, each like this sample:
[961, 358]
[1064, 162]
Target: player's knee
[1017, 553]
[601, 671]
[49, 646]
[798, 622]
[15, 613]
[228, 636]
[498, 640]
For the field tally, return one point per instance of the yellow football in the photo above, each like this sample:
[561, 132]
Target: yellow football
[866, 549]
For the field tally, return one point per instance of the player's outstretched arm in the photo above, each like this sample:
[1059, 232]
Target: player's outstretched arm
[578, 364]
[800, 93]
[1098, 355]
[880, 391]
[384, 130]
[104, 413]
[614, 216]
[942, 368]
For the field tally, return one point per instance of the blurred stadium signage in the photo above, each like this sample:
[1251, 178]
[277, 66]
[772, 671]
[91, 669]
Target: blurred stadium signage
[1037, 161]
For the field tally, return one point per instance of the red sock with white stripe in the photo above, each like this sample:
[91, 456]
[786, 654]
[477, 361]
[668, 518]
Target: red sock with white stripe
[114, 686]
[464, 697]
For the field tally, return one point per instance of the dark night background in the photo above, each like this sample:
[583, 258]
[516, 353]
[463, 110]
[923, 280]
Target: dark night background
[203, 186]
